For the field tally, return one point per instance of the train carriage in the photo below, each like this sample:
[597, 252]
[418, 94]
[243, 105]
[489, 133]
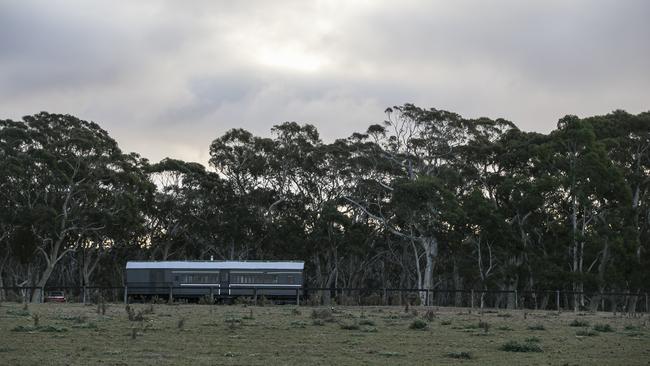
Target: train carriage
[220, 279]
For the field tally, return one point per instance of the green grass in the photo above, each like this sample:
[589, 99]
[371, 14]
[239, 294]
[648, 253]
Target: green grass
[514, 346]
[460, 355]
[278, 335]
[604, 328]
[579, 323]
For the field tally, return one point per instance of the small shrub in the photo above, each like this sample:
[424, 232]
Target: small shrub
[134, 333]
[514, 346]
[298, 324]
[366, 322]
[586, 333]
[52, 329]
[22, 312]
[504, 315]
[36, 320]
[418, 324]
[390, 354]
[460, 355]
[318, 322]
[249, 316]
[148, 310]
[536, 327]
[104, 307]
[321, 314]
[25, 307]
[206, 300]
[295, 311]
[532, 340]
[181, 324]
[429, 315]
[130, 312]
[369, 330]
[484, 325]
[445, 322]
[632, 328]
[24, 328]
[350, 326]
[504, 327]
[603, 328]
[579, 323]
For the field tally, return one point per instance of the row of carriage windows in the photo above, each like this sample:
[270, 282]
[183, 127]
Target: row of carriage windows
[196, 278]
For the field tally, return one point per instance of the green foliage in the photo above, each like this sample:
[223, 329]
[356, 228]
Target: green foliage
[462, 355]
[605, 328]
[419, 324]
[514, 346]
[579, 323]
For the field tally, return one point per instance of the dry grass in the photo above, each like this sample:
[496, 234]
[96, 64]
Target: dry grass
[277, 335]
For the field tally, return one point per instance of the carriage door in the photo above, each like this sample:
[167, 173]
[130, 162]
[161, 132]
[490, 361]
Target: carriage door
[224, 286]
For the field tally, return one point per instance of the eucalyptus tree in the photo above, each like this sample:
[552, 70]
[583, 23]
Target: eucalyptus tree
[73, 173]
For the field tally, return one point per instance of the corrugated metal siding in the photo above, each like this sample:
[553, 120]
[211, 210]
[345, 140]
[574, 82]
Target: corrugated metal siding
[216, 265]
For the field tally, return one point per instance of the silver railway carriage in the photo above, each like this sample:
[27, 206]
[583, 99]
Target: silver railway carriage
[220, 279]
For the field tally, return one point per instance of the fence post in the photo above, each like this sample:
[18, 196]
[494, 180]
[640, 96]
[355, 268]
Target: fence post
[426, 301]
[647, 310]
[255, 296]
[516, 299]
[386, 298]
[557, 299]
[211, 295]
[171, 295]
[471, 299]
[42, 294]
[126, 295]
[298, 296]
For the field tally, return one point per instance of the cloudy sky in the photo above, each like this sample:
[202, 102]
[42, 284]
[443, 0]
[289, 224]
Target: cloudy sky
[167, 77]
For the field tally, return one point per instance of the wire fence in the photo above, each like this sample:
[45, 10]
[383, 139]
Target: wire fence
[560, 300]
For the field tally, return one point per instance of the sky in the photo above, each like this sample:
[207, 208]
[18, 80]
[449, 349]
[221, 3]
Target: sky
[165, 78]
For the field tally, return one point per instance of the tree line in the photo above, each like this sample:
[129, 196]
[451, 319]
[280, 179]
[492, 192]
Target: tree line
[424, 199]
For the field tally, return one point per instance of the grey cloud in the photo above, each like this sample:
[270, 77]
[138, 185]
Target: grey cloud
[166, 77]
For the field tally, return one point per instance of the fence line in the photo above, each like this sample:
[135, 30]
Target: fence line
[471, 298]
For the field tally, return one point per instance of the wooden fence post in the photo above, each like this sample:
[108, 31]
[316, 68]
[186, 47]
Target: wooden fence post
[647, 310]
[255, 296]
[557, 299]
[171, 295]
[471, 299]
[298, 296]
[516, 299]
[126, 295]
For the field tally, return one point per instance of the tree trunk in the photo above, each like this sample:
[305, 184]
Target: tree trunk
[430, 246]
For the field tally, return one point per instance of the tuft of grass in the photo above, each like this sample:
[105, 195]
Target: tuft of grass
[366, 322]
[350, 326]
[296, 311]
[249, 316]
[484, 325]
[21, 312]
[445, 322]
[31, 328]
[504, 327]
[536, 327]
[579, 323]
[632, 328]
[369, 330]
[418, 324]
[324, 314]
[504, 315]
[514, 346]
[429, 315]
[390, 354]
[318, 322]
[586, 333]
[37, 319]
[462, 355]
[181, 324]
[532, 340]
[605, 328]
[298, 324]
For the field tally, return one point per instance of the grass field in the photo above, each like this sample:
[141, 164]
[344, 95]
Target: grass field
[73, 334]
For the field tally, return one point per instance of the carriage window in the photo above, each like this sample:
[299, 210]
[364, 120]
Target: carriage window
[290, 279]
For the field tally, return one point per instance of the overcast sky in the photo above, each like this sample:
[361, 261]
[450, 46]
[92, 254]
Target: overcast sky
[167, 77]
